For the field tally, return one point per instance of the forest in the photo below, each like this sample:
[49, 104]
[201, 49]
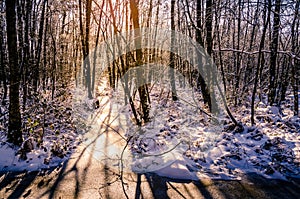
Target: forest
[216, 81]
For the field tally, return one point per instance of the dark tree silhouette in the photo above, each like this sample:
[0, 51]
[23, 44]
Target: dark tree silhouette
[14, 130]
[139, 56]
[273, 56]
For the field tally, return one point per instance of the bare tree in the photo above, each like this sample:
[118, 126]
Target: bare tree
[266, 19]
[143, 88]
[201, 80]
[39, 48]
[273, 56]
[295, 62]
[172, 56]
[3, 65]
[14, 130]
[85, 35]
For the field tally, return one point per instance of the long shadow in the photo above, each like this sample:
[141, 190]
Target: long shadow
[21, 181]
[75, 168]
[106, 174]
[252, 185]
[203, 189]
[138, 191]
[159, 185]
[23, 185]
[275, 188]
[8, 178]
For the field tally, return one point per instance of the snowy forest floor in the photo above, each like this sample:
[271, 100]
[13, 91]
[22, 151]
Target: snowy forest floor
[177, 143]
[83, 176]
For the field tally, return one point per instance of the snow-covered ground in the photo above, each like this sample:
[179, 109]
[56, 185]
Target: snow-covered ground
[180, 141]
[50, 135]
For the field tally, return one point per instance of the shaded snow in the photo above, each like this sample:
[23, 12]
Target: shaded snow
[48, 130]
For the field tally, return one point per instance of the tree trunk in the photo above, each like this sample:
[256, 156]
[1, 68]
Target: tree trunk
[250, 59]
[259, 62]
[87, 40]
[273, 56]
[27, 55]
[143, 88]
[3, 78]
[85, 43]
[36, 71]
[218, 16]
[295, 63]
[209, 93]
[95, 51]
[14, 129]
[238, 56]
[200, 80]
[172, 55]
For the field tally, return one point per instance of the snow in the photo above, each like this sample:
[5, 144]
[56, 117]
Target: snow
[11, 162]
[179, 142]
[177, 170]
[49, 132]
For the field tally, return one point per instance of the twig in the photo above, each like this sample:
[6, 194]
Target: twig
[122, 171]
[197, 108]
[160, 154]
